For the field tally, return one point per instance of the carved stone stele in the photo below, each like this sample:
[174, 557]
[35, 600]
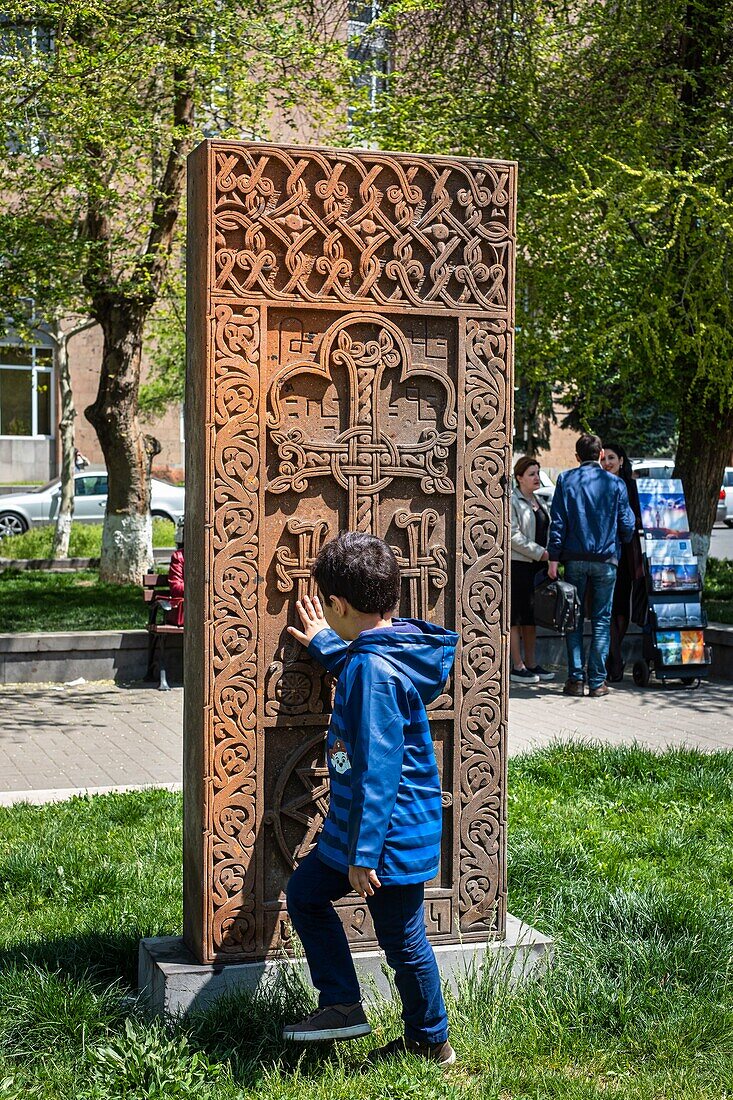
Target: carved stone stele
[350, 319]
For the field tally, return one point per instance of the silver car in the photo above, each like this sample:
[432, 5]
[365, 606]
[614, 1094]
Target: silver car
[19, 511]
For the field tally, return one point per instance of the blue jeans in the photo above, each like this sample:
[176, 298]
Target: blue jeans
[600, 577]
[399, 921]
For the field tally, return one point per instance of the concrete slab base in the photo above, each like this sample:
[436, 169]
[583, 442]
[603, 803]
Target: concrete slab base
[172, 982]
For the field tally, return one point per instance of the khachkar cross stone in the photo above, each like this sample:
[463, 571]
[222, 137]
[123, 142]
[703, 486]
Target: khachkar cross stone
[350, 322]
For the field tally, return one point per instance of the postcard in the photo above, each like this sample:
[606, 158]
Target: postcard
[693, 647]
[663, 508]
[669, 644]
[681, 647]
[680, 576]
[672, 616]
[660, 551]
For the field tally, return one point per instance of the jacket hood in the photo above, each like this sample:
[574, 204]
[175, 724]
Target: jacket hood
[421, 651]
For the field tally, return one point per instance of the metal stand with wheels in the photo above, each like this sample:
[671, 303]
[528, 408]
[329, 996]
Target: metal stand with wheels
[673, 643]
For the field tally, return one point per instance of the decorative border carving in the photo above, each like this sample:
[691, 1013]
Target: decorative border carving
[481, 886]
[317, 225]
[233, 549]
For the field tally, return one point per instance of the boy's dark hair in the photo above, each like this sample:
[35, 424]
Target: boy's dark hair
[361, 569]
[589, 447]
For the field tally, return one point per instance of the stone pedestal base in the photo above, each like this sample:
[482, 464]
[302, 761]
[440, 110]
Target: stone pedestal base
[172, 982]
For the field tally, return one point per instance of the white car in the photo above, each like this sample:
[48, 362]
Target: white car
[19, 511]
[652, 467]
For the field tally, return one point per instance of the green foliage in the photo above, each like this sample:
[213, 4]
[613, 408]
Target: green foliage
[166, 382]
[623, 855]
[104, 106]
[719, 590]
[616, 412]
[619, 118]
[147, 1062]
[85, 540]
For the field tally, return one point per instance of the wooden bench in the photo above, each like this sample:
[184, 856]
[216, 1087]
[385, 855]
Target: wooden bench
[157, 593]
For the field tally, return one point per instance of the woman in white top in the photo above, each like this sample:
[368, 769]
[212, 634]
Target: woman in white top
[530, 531]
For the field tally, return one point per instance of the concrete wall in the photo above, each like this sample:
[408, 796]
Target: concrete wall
[23, 460]
[120, 655]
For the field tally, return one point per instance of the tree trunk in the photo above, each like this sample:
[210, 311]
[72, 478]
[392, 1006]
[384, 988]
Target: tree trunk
[127, 539]
[65, 515]
[704, 450]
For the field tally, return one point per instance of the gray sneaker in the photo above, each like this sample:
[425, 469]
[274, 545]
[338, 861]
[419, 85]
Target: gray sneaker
[442, 1053]
[331, 1022]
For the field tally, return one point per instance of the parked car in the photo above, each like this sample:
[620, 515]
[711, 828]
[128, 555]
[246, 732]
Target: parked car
[663, 467]
[727, 492]
[19, 511]
[652, 467]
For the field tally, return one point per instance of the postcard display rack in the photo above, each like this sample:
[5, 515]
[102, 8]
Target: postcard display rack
[673, 641]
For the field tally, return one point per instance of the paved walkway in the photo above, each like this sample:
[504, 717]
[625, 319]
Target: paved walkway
[99, 737]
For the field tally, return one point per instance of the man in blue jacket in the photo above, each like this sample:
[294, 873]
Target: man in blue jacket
[382, 834]
[591, 516]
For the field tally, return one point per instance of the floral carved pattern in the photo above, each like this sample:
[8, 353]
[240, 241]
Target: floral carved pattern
[233, 631]
[318, 225]
[483, 710]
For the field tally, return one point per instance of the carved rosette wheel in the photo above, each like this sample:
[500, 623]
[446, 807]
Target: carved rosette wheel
[300, 800]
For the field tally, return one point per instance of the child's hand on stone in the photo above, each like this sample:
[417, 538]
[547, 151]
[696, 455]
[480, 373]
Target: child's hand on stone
[363, 880]
[312, 618]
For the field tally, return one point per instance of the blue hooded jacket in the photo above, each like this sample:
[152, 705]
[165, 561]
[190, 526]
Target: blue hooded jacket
[385, 810]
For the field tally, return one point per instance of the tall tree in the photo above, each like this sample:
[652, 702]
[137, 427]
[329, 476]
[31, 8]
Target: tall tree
[41, 294]
[102, 121]
[619, 115]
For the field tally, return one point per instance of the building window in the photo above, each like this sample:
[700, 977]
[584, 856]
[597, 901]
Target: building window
[27, 45]
[26, 391]
[370, 46]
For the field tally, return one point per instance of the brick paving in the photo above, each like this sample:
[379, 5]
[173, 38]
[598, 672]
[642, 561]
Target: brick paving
[98, 736]
[93, 736]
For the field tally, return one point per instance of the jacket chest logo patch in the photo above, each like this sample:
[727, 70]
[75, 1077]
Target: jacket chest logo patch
[339, 757]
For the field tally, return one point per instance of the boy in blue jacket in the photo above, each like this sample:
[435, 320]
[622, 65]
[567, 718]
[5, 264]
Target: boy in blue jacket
[382, 834]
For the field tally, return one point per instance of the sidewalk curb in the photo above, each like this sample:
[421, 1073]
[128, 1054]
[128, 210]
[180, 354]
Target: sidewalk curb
[63, 794]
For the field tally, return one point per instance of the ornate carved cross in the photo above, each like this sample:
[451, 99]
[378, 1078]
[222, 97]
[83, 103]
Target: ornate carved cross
[363, 459]
[424, 565]
[310, 534]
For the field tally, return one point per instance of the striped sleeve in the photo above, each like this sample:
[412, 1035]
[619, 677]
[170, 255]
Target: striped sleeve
[377, 710]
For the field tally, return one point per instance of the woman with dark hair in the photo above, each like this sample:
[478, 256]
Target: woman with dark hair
[530, 531]
[630, 569]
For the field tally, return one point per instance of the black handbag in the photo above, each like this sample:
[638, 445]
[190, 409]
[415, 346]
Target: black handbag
[556, 606]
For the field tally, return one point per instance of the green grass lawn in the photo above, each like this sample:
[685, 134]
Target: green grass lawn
[85, 540]
[625, 857]
[34, 600]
